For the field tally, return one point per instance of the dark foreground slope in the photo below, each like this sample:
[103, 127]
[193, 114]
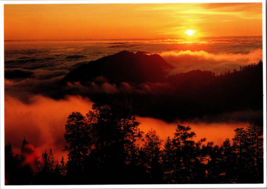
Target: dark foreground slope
[233, 96]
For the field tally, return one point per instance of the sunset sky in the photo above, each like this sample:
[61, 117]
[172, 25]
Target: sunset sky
[130, 21]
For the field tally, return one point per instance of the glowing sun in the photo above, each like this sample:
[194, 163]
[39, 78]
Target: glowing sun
[190, 32]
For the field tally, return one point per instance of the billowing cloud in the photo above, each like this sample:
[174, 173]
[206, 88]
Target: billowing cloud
[25, 89]
[185, 61]
[91, 88]
[41, 122]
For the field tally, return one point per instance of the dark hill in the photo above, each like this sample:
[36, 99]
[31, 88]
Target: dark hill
[124, 66]
[202, 94]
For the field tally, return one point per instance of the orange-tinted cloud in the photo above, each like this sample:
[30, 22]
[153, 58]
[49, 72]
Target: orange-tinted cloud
[213, 132]
[42, 122]
[185, 61]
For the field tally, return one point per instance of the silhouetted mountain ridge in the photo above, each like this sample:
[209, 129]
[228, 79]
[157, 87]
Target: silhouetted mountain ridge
[122, 67]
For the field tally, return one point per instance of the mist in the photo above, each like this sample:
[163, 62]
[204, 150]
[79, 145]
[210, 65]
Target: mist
[188, 60]
[42, 123]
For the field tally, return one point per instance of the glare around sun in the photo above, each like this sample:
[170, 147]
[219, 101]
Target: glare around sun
[190, 32]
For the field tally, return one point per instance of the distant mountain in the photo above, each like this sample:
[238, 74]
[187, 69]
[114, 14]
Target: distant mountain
[124, 66]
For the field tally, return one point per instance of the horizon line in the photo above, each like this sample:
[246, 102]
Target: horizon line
[21, 40]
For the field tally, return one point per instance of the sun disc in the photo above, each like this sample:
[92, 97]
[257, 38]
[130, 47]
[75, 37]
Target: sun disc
[190, 32]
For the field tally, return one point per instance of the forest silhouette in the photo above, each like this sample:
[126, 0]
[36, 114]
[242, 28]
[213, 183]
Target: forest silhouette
[106, 146]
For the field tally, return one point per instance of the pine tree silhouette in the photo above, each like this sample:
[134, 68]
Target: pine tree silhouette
[77, 137]
[152, 145]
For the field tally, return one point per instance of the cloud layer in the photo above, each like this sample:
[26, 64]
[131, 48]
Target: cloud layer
[185, 61]
[41, 122]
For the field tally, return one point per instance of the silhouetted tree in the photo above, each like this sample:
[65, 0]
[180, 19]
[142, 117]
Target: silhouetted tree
[199, 164]
[168, 161]
[11, 165]
[114, 132]
[214, 169]
[240, 144]
[152, 145]
[185, 158]
[228, 161]
[46, 175]
[254, 151]
[77, 137]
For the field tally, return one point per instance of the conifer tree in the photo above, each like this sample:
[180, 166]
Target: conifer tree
[152, 149]
[184, 148]
[168, 161]
[78, 141]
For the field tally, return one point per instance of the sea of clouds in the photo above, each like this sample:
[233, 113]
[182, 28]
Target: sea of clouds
[37, 108]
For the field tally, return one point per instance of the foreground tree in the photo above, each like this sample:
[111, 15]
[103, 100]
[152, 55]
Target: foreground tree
[116, 132]
[185, 158]
[78, 144]
[248, 145]
[152, 153]
[168, 161]
[11, 165]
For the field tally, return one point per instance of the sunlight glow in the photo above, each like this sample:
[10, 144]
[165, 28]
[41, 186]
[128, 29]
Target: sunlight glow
[190, 32]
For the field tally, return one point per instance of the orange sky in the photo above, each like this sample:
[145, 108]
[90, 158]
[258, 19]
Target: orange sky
[130, 21]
